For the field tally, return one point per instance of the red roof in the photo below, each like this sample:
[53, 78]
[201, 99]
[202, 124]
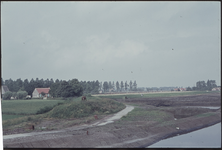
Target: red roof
[40, 90]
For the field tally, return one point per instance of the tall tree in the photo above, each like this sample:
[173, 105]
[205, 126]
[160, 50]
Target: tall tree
[51, 82]
[121, 86]
[117, 86]
[105, 86]
[57, 81]
[113, 85]
[134, 86]
[100, 85]
[32, 86]
[126, 86]
[88, 87]
[131, 85]
[110, 85]
[201, 85]
[64, 90]
[53, 89]
[27, 87]
[18, 84]
[96, 87]
[46, 83]
[77, 89]
[10, 84]
[41, 83]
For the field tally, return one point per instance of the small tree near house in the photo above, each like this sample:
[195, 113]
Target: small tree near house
[43, 94]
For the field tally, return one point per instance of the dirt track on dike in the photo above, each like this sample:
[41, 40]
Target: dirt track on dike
[129, 133]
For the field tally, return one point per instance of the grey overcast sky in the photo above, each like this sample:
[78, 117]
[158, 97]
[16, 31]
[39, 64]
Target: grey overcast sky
[155, 43]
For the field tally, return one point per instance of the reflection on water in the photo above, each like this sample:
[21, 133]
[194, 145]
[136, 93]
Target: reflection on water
[209, 137]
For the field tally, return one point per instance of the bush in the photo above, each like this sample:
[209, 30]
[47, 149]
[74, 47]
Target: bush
[22, 94]
[44, 110]
[7, 95]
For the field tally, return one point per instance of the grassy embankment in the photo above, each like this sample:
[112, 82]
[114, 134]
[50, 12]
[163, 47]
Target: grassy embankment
[68, 110]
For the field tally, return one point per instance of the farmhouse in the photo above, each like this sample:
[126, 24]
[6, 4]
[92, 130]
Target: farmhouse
[4, 89]
[216, 89]
[180, 89]
[37, 92]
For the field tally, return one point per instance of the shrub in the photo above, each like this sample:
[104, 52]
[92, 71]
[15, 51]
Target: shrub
[44, 110]
[22, 94]
[7, 95]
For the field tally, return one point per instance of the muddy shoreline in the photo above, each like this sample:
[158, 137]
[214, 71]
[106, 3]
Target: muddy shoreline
[142, 131]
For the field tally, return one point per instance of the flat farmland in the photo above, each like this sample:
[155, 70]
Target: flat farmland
[7, 117]
[26, 107]
[153, 94]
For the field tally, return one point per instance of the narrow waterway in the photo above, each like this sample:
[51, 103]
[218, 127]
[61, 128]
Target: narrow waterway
[209, 137]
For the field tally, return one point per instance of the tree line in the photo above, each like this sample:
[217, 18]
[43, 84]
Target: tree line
[202, 86]
[118, 87]
[58, 88]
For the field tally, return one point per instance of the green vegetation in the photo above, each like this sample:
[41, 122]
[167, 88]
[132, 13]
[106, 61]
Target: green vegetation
[7, 95]
[78, 109]
[26, 107]
[71, 109]
[147, 115]
[7, 117]
[156, 94]
[205, 114]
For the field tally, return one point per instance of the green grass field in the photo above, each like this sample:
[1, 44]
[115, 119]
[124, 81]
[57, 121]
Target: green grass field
[26, 107]
[7, 117]
[146, 115]
[69, 109]
[170, 94]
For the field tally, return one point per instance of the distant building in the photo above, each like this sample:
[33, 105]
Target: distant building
[4, 89]
[180, 89]
[176, 89]
[111, 90]
[37, 92]
[216, 89]
[183, 89]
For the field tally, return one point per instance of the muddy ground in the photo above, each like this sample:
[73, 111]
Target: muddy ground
[139, 132]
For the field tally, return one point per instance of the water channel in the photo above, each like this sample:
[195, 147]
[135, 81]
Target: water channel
[209, 137]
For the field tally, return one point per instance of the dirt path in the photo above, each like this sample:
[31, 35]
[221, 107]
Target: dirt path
[104, 121]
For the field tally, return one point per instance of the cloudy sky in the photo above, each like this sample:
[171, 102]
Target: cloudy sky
[155, 43]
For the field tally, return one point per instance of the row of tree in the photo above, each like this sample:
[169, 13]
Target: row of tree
[118, 87]
[18, 95]
[66, 89]
[202, 86]
[57, 88]
[26, 85]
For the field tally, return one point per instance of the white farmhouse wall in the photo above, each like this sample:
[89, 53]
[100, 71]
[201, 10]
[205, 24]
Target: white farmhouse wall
[35, 94]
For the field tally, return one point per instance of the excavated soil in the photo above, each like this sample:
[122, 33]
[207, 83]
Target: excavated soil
[130, 133]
